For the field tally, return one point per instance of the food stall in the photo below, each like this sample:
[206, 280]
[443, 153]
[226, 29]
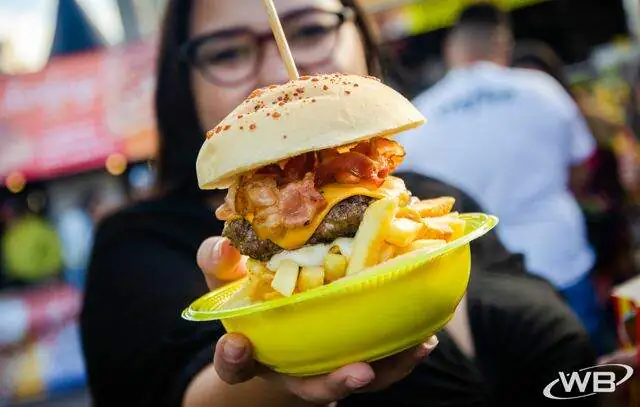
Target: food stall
[75, 138]
[413, 31]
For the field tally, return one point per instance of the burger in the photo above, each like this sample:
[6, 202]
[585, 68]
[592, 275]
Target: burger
[306, 164]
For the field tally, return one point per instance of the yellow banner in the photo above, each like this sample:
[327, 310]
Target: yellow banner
[430, 15]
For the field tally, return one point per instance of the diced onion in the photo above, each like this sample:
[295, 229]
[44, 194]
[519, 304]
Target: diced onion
[311, 256]
[345, 244]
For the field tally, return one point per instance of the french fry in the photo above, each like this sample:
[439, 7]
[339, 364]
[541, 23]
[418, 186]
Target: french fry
[387, 252]
[260, 286]
[458, 226]
[309, 278]
[436, 228]
[273, 295]
[255, 267]
[403, 231]
[286, 278]
[335, 267]
[434, 207]
[404, 199]
[240, 298]
[370, 236]
[409, 213]
[448, 227]
[422, 244]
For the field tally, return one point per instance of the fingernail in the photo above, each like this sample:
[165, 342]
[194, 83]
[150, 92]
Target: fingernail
[433, 342]
[232, 351]
[354, 383]
[216, 250]
[426, 348]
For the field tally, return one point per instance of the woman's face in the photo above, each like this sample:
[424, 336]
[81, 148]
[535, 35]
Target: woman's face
[231, 63]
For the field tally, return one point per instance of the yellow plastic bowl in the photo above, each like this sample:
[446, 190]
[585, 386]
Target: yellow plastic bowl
[368, 316]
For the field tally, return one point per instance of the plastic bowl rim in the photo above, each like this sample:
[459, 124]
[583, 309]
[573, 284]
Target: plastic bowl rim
[488, 222]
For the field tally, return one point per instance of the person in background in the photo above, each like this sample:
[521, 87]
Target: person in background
[515, 141]
[75, 228]
[610, 180]
[143, 270]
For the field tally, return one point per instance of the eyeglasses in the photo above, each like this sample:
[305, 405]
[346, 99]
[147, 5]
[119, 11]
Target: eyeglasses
[232, 57]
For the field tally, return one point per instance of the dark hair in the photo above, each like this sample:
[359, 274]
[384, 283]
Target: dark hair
[180, 131]
[483, 14]
[537, 54]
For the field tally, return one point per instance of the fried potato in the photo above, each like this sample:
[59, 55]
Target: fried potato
[286, 278]
[255, 267]
[458, 226]
[436, 228]
[370, 236]
[309, 278]
[335, 267]
[409, 213]
[387, 252]
[403, 231]
[273, 295]
[260, 286]
[240, 298]
[422, 244]
[434, 207]
[448, 227]
[404, 199]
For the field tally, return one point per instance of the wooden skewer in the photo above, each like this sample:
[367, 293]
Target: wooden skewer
[281, 39]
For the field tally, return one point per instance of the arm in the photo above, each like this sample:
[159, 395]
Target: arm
[579, 177]
[581, 142]
[208, 389]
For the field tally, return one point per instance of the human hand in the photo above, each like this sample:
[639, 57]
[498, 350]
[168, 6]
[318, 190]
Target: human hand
[234, 362]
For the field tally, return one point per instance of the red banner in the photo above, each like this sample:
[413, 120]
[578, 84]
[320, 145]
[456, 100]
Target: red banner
[76, 112]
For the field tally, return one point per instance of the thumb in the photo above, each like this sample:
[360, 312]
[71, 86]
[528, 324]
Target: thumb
[220, 261]
[233, 359]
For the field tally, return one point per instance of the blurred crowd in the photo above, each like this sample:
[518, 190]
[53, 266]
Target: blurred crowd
[96, 264]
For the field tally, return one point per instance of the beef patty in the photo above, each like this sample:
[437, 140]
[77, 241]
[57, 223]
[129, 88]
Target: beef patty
[342, 220]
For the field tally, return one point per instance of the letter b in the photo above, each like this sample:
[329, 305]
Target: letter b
[604, 382]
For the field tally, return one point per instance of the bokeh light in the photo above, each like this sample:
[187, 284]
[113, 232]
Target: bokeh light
[16, 181]
[116, 164]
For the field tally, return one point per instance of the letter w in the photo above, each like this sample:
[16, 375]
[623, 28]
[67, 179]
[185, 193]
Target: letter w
[573, 379]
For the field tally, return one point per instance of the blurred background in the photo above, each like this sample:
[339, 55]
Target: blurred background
[77, 140]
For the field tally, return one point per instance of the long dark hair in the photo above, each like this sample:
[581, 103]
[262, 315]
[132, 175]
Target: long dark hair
[181, 133]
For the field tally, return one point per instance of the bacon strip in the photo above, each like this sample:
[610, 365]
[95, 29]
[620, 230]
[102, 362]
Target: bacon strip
[296, 168]
[262, 192]
[269, 221]
[224, 213]
[348, 168]
[285, 195]
[300, 202]
[228, 209]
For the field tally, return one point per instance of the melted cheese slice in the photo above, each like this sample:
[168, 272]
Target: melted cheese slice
[334, 194]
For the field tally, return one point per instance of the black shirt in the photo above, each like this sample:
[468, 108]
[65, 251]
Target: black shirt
[523, 337]
[143, 273]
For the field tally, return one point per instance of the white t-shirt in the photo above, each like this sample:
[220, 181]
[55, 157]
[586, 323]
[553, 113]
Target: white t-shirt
[508, 138]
